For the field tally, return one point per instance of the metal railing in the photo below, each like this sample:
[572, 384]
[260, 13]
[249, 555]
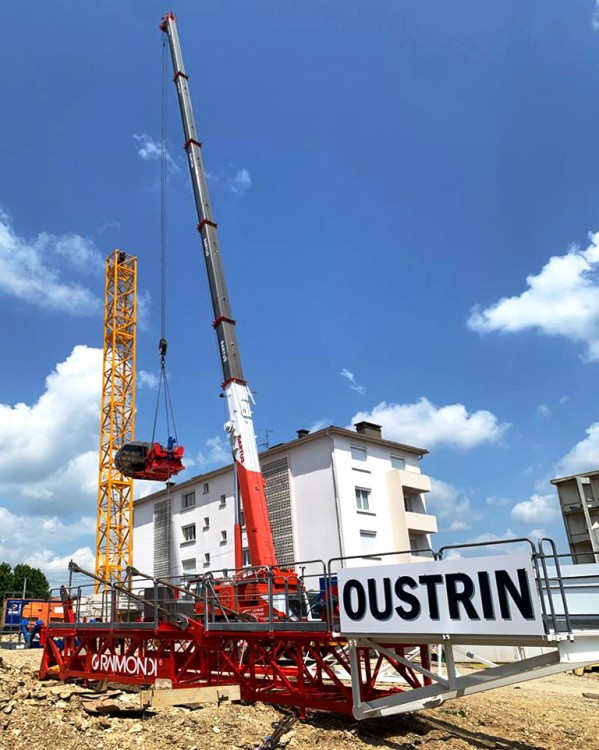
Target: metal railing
[266, 598]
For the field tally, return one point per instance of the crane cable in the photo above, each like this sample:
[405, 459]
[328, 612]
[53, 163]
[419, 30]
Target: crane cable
[162, 344]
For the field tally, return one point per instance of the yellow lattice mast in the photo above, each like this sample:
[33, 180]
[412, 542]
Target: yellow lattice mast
[114, 535]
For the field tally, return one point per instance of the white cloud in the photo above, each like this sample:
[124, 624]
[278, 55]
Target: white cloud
[320, 425]
[562, 300]
[488, 540]
[497, 502]
[144, 303]
[149, 149]
[451, 506]
[426, 425]
[107, 224]
[240, 182]
[146, 379]
[345, 373]
[237, 180]
[49, 449]
[544, 410]
[584, 456]
[23, 539]
[217, 453]
[537, 508]
[34, 271]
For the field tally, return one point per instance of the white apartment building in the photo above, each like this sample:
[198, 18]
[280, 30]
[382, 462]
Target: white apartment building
[331, 493]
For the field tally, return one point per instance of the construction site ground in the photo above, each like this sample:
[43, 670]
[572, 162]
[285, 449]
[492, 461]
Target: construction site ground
[550, 713]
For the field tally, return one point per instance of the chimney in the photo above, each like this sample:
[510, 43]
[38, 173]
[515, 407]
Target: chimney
[368, 429]
[302, 433]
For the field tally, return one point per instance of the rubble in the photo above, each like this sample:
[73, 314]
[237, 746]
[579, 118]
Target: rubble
[548, 714]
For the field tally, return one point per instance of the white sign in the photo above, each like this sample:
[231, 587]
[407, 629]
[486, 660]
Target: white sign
[477, 596]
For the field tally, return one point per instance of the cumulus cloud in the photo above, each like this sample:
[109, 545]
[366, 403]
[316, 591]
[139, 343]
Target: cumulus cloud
[427, 425]
[216, 453]
[351, 378]
[35, 271]
[150, 149]
[451, 506]
[584, 456]
[538, 508]
[561, 300]
[49, 449]
[544, 410]
[25, 540]
[146, 379]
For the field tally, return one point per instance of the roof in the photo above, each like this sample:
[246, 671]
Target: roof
[282, 447]
[561, 480]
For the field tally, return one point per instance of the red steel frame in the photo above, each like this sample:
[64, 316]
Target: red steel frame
[305, 669]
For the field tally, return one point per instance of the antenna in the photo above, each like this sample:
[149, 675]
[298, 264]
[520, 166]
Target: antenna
[266, 442]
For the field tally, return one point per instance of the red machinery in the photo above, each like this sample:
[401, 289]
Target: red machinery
[153, 461]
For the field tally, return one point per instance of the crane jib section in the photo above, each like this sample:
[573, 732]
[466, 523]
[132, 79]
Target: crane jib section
[239, 426]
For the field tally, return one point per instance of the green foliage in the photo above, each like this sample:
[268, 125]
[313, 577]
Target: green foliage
[22, 577]
[5, 578]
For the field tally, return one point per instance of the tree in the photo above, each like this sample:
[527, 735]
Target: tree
[5, 579]
[32, 580]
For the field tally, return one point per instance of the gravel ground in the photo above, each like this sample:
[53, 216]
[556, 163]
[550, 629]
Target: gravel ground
[547, 714]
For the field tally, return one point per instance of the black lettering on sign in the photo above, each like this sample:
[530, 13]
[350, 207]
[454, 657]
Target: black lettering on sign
[360, 609]
[463, 597]
[377, 613]
[414, 611]
[431, 583]
[486, 596]
[520, 596]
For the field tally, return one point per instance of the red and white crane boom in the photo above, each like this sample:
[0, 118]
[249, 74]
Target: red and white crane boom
[239, 426]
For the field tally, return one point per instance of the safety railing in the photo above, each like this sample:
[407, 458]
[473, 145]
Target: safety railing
[264, 598]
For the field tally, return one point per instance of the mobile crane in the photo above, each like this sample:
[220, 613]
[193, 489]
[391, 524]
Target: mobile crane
[238, 397]
[370, 652]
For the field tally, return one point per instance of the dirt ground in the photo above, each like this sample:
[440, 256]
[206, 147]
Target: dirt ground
[547, 714]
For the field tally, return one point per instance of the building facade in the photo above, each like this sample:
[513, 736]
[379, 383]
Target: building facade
[331, 493]
[579, 503]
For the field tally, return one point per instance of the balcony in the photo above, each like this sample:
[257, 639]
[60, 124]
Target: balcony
[425, 523]
[412, 481]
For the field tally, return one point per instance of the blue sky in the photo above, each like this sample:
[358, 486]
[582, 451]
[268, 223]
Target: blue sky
[406, 193]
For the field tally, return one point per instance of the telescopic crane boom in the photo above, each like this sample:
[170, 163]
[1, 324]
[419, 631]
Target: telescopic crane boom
[239, 426]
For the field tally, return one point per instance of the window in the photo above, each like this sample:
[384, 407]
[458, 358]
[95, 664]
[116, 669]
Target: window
[223, 537]
[398, 462]
[206, 559]
[205, 488]
[368, 540]
[188, 566]
[223, 501]
[418, 542]
[362, 499]
[206, 524]
[408, 501]
[189, 533]
[245, 557]
[358, 452]
[241, 518]
[188, 500]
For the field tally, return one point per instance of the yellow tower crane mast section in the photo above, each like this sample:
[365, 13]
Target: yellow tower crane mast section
[114, 533]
